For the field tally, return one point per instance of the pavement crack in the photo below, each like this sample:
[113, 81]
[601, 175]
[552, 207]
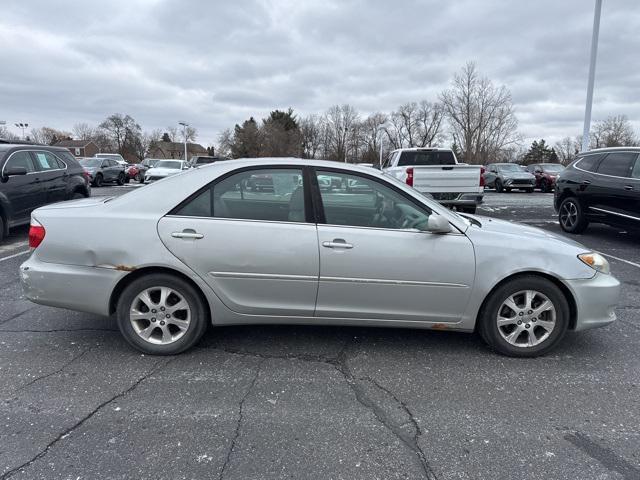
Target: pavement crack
[88, 416]
[55, 372]
[16, 315]
[236, 435]
[410, 441]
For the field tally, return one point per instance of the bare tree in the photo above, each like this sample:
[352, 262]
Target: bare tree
[6, 134]
[311, 135]
[415, 125]
[372, 133]
[177, 134]
[480, 115]
[225, 143]
[145, 142]
[84, 131]
[48, 136]
[567, 149]
[340, 121]
[614, 131]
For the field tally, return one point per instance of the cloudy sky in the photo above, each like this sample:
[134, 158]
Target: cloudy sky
[215, 63]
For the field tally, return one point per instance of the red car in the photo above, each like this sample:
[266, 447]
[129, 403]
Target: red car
[135, 172]
[546, 175]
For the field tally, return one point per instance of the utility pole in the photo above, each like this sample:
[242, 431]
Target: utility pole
[592, 74]
[184, 131]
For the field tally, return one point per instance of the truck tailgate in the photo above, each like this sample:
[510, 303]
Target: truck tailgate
[447, 178]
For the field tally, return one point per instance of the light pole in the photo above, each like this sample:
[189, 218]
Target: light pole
[592, 74]
[184, 131]
[22, 126]
[380, 128]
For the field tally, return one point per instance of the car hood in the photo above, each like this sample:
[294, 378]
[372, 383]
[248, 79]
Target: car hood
[162, 172]
[517, 175]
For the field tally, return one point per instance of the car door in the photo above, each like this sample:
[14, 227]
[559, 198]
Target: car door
[24, 193]
[257, 249]
[609, 194]
[632, 189]
[52, 173]
[490, 175]
[109, 168]
[376, 263]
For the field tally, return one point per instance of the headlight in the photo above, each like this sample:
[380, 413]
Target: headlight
[595, 261]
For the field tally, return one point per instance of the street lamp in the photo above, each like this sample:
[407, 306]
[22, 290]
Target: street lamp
[592, 74]
[22, 126]
[381, 128]
[184, 131]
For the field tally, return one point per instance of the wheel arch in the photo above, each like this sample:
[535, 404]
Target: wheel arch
[141, 272]
[573, 309]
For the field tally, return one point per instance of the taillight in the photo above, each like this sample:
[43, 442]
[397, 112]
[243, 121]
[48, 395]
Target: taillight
[87, 176]
[482, 170]
[36, 233]
[410, 176]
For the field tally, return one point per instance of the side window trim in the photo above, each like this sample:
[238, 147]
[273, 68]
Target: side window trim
[615, 176]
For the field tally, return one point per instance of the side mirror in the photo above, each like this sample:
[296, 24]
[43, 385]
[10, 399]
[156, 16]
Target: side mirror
[438, 224]
[13, 171]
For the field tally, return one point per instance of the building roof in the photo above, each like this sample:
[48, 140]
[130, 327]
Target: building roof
[73, 143]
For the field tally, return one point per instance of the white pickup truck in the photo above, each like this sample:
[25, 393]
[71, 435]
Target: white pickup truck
[437, 173]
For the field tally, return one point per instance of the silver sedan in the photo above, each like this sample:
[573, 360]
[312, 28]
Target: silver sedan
[272, 241]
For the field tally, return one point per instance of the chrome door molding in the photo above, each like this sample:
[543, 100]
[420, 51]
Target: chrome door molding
[263, 276]
[383, 281]
[614, 213]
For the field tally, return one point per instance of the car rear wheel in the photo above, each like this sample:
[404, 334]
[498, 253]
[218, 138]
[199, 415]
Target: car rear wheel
[138, 178]
[544, 186]
[571, 216]
[121, 179]
[525, 317]
[98, 180]
[160, 314]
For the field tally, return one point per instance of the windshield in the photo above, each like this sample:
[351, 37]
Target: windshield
[169, 164]
[553, 168]
[90, 162]
[108, 155]
[509, 168]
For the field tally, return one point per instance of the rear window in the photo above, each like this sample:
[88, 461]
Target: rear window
[589, 162]
[617, 164]
[418, 158]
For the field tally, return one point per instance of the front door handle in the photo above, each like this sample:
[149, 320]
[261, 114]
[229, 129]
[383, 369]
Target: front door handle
[628, 187]
[337, 243]
[586, 182]
[187, 234]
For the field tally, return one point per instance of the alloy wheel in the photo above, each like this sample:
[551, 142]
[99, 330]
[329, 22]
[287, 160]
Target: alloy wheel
[160, 315]
[568, 214]
[526, 318]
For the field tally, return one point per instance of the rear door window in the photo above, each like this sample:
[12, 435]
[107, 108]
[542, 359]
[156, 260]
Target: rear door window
[46, 161]
[426, 158]
[635, 173]
[618, 164]
[589, 162]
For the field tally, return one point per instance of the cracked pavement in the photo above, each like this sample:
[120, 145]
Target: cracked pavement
[275, 402]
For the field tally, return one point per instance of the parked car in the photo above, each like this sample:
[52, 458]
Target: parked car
[505, 177]
[36, 175]
[600, 186]
[387, 256]
[546, 175]
[437, 173]
[195, 162]
[136, 172]
[103, 170]
[151, 162]
[163, 169]
[113, 156]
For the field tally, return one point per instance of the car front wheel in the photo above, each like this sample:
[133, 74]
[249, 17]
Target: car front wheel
[525, 317]
[571, 216]
[121, 179]
[97, 181]
[160, 314]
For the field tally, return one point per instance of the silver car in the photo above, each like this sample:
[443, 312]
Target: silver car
[217, 251]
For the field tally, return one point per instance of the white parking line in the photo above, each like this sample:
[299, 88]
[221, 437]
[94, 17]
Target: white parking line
[13, 246]
[619, 259]
[14, 255]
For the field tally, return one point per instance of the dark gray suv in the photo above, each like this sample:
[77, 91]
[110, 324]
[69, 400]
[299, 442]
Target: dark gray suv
[103, 170]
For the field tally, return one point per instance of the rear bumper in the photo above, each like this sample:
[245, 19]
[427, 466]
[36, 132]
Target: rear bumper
[464, 200]
[86, 289]
[596, 300]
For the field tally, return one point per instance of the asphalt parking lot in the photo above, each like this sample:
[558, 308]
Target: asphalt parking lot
[323, 403]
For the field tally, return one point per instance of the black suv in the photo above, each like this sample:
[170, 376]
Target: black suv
[34, 175]
[600, 186]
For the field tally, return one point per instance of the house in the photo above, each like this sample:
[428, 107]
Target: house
[175, 150]
[79, 148]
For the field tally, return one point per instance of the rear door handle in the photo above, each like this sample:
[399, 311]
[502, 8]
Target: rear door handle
[628, 187]
[586, 182]
[187, 234]
[337, 243]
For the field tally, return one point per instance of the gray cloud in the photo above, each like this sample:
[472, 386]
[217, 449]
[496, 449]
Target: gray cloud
[215, 63]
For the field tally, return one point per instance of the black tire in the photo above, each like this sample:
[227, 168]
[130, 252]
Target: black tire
[127, 179]
[141, 180]
[98, 180]
[529, 190]
[508, 190]
[493, 335]
[138, 178]
[1, 228]
[571, 216]
[195, 330]
[121, 178]
[77, 196]
[469, 210]
[544, 186]
[498, 185]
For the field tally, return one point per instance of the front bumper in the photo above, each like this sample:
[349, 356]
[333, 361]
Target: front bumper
[596, 300]
[75, 287]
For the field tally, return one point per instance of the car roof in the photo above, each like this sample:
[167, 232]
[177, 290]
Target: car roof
[611, 149]
[423, 149]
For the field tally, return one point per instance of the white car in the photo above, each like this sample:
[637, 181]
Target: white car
[164, 169]
[113, 156]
